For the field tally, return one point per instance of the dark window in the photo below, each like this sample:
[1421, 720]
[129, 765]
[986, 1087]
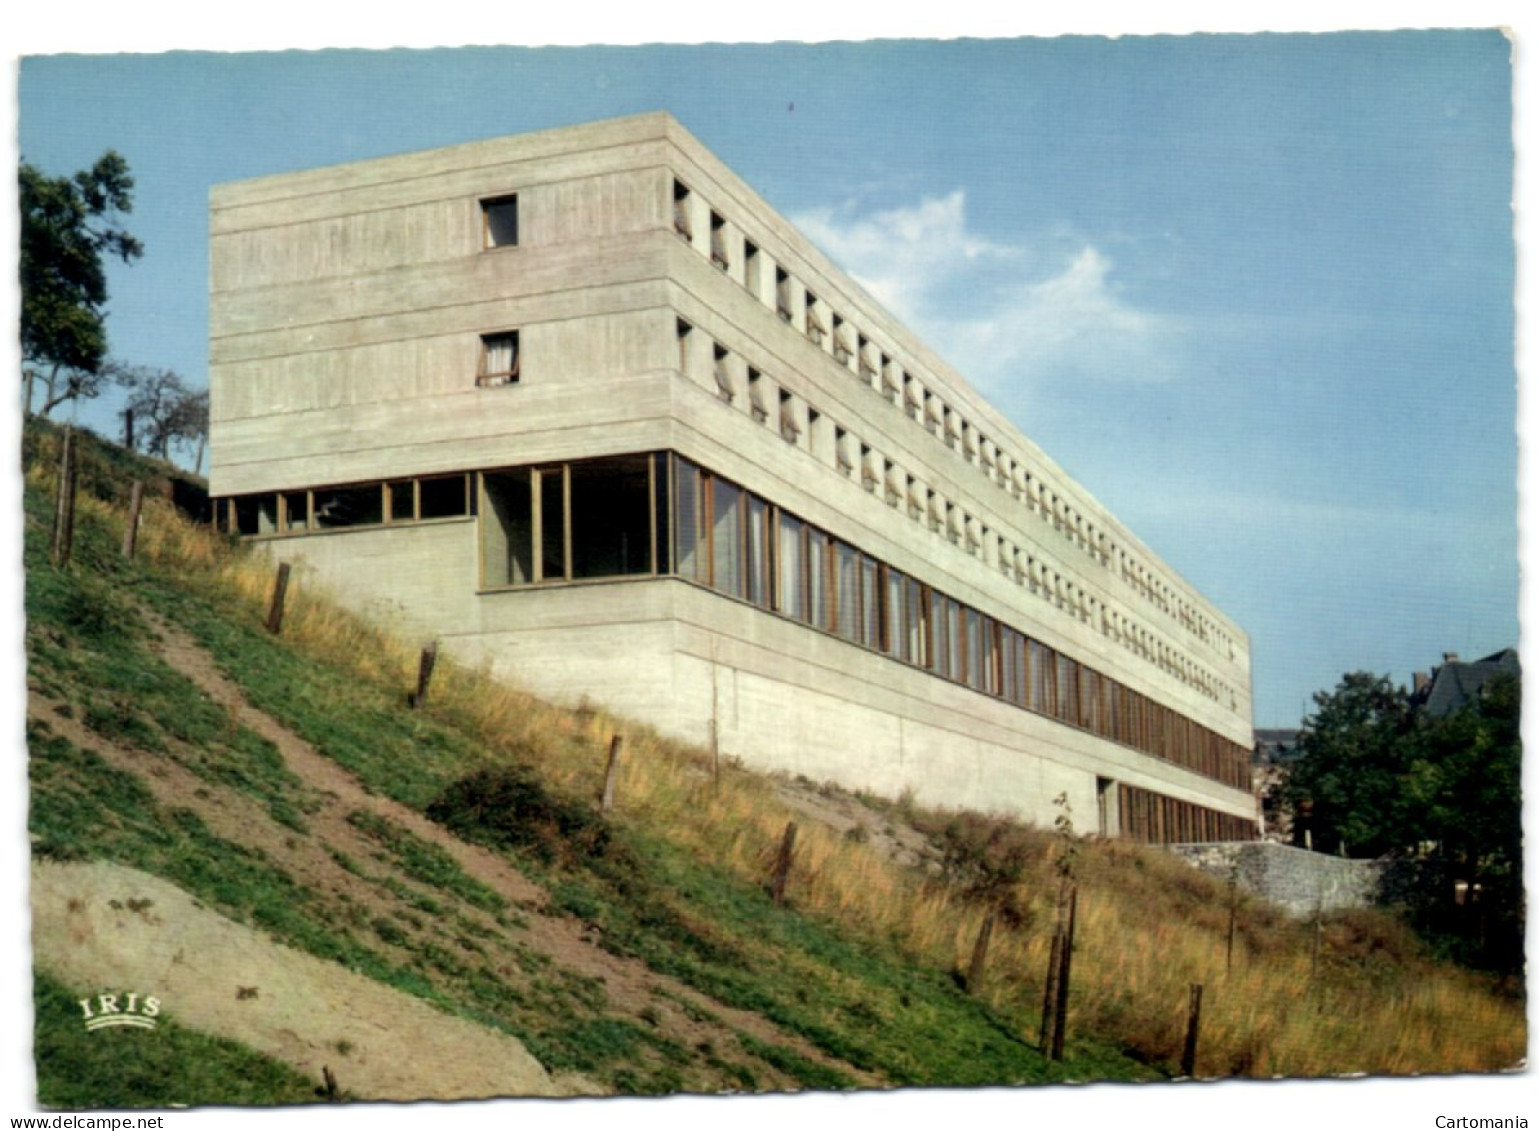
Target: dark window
[499, 222]
[349, 506]
[611, 517]
[507, 535]
[256, 514]
[552, 524]
[403, 507]
[443, 497]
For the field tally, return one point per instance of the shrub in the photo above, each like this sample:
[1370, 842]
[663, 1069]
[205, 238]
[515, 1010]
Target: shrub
[508, 807]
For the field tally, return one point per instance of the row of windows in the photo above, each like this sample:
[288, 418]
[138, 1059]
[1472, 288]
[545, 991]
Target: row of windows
[834, 444]
[1156, 819]
[651, 514]
[739, 544]
[852, 349]
[798, 306]
[393, 502]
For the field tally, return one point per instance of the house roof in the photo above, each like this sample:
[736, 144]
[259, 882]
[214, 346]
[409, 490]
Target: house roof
[1457, 682]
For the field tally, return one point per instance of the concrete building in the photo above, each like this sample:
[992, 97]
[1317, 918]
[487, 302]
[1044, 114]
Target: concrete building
[580, 404]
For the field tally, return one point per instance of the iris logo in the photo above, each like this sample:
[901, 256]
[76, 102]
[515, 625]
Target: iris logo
[136, 1012]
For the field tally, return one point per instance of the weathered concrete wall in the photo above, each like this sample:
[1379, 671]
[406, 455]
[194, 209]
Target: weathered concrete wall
[348, 309]
[1292, 878]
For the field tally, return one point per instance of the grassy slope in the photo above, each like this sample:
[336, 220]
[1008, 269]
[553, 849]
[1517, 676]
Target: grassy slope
[862, 965]
[860, 1000]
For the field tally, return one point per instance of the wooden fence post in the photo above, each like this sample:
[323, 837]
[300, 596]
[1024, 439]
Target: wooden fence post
[612, 773]
[1054, 971]
[980, 954]
[280, 592]
[1234, 911]
[424, 676]
[1193, 1019]
[64, 502]
[1065, 958]
[131, 531]
[783, 862]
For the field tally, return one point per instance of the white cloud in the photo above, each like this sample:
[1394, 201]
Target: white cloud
[1002, 314]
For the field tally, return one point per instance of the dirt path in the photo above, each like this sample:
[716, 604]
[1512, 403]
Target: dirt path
[630, 988]
[103, 927]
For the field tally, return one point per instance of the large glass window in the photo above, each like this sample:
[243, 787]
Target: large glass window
[349, 506]
[727, 537]
[445, 496]
[791, 567]
[688, 560]
[611, 517]
[552, 493]
[507, 532]
[870, 604]
[757, 571]
[820, 605]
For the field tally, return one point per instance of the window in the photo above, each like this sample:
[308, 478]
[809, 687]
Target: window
[682, 330]
[842, 457]
[782, 295]
[842, 349]
[508, 532]
[727, 514]
[719, 241]
[815, 328]
[790, 425]
[499, 359]
[499, 222]
[402, 506]
[758, 571]
[256, 514]
[869, 371]
[296, 510]
[791, 567]
[751, 267]
[612, 531]
[723, 373]
[349, 506]
[444, 496]
[756, 396]
[681, 208]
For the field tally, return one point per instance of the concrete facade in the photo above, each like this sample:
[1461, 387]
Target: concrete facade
[479, 390]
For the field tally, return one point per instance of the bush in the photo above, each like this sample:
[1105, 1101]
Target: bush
[509, 808]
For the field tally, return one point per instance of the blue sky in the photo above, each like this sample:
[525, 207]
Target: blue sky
[1253, 291]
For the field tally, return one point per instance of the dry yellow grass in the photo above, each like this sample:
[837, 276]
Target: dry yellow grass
[1149, 926]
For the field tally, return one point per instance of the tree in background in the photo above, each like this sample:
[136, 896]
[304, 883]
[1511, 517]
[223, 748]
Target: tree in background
[69, 226]
[189, 425]
[1347, 787]
[1376, 776]
[155, 398]
[1466, 790]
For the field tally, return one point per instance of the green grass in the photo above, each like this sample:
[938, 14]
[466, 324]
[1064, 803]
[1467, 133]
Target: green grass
[135, 1068]
[424, 862]
[857, 999]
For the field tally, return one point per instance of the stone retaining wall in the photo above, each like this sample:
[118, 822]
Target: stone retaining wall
[1296, 880]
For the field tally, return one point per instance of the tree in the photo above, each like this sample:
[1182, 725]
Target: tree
[69, 225]
[1466, 788]
[1348, 786]
[156, 398]
[1375, 776]
[189, 425]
